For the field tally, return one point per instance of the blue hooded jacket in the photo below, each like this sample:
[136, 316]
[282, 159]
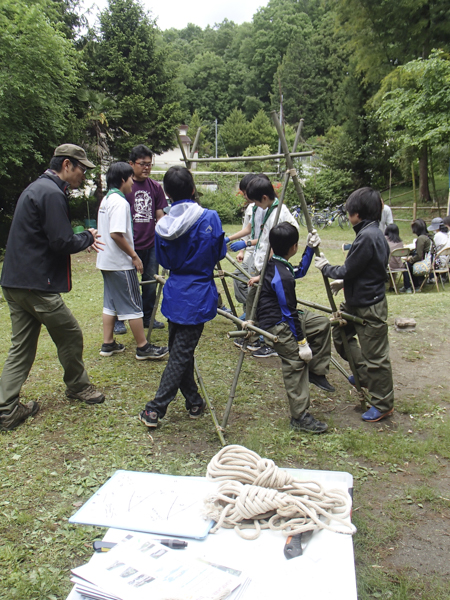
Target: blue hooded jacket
[189, 242]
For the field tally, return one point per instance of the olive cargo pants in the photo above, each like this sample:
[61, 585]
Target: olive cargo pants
[371, 356]
[29, 310]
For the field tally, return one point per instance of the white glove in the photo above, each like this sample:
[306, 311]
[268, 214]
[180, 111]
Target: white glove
[320, 261]
[304, 351]
[336, 286]
[313, 239]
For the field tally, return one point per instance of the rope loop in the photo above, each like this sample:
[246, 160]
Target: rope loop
[256, 494]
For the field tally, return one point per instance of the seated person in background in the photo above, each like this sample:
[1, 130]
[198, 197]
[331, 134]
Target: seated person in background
[392, 236]
[278, 314]
[424, 245]
[119, 264]
[440, 230]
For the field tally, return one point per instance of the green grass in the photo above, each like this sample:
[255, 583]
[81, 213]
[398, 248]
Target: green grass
[50, 465]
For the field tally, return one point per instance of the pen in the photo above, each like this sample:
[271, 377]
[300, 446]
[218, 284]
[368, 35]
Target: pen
[169, 542]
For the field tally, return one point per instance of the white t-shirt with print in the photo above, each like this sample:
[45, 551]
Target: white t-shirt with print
[114, 216]
[263, 243]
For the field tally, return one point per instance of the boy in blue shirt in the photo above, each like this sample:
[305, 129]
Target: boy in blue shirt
[278, 314]
[363, 277]
[189, 243]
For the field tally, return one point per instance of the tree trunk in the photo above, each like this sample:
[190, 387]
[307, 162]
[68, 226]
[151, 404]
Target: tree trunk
[424, 192]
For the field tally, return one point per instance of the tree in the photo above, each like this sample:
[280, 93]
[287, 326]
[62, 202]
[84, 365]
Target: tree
[415, 106]
[235, 133]
[38, 74]
[262, 131]
[383, 35]
[311, 76]
[126, 62]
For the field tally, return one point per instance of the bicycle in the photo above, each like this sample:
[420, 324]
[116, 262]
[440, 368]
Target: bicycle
[297, 213]
[328, 216]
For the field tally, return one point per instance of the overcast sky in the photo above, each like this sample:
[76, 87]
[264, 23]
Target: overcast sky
[178, 13]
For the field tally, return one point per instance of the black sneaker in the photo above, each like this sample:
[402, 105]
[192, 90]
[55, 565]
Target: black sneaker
[264, 352]
[119, 328]
[90, 395]
[156, 325]
[239, 342]
[321, 382]
[254, 346]
[150, 419]
[196, 411]
[308, 423]
[151, 352]
[112, 348]
[18, 415]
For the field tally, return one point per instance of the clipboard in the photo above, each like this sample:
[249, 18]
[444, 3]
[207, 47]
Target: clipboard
[150, 503]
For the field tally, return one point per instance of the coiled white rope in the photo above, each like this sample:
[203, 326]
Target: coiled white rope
[256, 494]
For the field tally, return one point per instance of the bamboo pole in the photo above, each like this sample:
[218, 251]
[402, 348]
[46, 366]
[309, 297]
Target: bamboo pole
[237, 265]
[298, 188]
[414, 193]
[326, 309]
[258, 292]
[251, 158]
[232, 275]
[227, 291]
[160, 281]
[250, 326]
[208, 404]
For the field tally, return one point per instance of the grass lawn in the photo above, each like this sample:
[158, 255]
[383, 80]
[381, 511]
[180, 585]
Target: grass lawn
[55, 462]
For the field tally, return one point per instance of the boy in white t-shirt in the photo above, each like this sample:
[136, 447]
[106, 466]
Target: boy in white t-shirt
[119, 264]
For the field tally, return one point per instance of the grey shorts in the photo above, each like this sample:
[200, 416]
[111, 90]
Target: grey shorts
[121, 295]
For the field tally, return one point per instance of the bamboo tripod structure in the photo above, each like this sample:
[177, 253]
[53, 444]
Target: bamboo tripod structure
[290, 172]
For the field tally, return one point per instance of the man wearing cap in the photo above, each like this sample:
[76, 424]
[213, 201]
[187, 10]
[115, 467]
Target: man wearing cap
[35, 271]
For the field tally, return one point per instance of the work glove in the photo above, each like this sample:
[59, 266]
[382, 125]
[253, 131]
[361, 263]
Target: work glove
[304, 351]
[227, 240]
[239, 245]
[313, 239]
[336, 286]
[320, 261]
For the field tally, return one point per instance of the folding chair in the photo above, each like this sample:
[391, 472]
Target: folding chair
[402, 253]
[441, 266]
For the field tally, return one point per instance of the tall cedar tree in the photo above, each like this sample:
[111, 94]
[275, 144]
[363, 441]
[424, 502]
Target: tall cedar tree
[127, 63]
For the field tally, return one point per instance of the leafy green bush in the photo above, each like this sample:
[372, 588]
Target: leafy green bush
[225, 201]
[328, 187]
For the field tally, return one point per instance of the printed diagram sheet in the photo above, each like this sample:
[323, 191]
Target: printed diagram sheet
[151, 503]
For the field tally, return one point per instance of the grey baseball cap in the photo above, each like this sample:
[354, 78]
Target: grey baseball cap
[75, 152]
[435, 224]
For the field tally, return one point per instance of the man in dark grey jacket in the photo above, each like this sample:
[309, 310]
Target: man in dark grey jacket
[363, 277]
[35, 271]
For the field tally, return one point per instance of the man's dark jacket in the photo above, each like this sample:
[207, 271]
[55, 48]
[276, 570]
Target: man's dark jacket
[364, 270]
[41, 239]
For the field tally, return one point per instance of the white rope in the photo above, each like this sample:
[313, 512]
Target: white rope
[256, 494]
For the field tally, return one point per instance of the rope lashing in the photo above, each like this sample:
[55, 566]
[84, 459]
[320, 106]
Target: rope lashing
[256, 494]
[337, 316]
[292, 172]
[245, 324]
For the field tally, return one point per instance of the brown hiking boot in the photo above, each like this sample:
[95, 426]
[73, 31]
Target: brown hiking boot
[90, 395]
[18, 415]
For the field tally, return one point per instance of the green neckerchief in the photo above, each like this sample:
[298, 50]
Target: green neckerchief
[266, 217]
[285, 262]
[254, 209]
[117, 191]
